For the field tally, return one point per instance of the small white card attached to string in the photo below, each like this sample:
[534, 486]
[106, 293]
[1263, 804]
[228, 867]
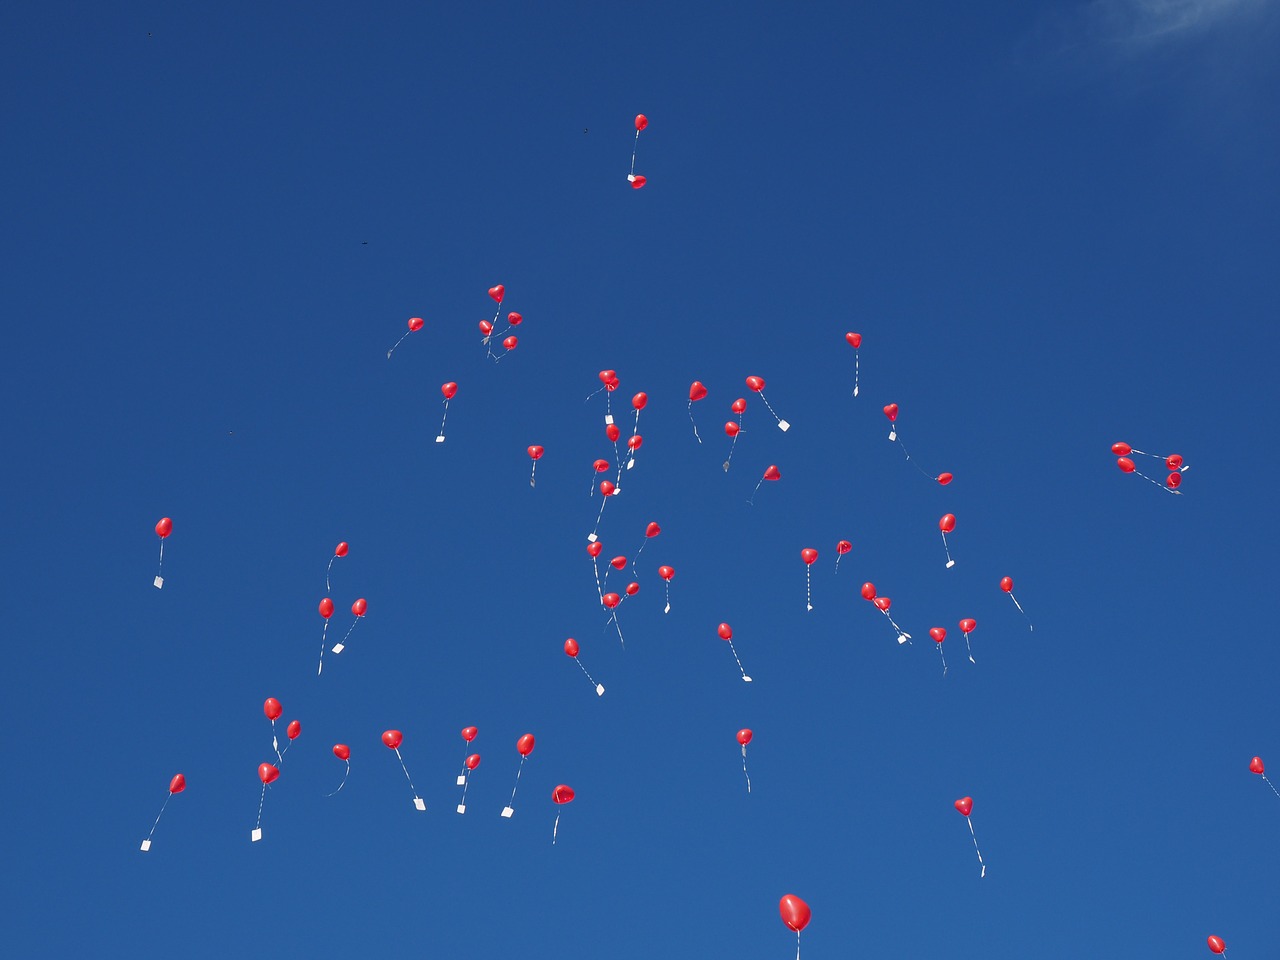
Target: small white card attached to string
[158, 581]
[462, 808]
[338, 648]
[608, 419]
[950, 564]
[784, 426]
[667, 609]
[893, 434]
[599, 689]
[256, 835]
[440, 439]
[746, 679]
[592, 538]
[146, 845]
[507, 812]
[903, 638]
[631, 463]
[462, 781]
[420, 804]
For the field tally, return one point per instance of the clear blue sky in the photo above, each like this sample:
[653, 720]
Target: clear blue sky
[1054, 225]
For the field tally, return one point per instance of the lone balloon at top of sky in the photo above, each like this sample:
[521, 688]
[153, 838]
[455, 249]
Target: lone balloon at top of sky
[795, 912]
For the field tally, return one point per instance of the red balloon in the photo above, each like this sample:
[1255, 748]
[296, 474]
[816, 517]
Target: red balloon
[633, 588]
[1255, 766]
[164, 527]
[945, 478]
[271, 707]
[843, 547]
[607, 375]
[739, 405]
[1216, 945]
[1006, 584]
[535, 452]
[947, 523]
[611, 600]
[882, 603]
[510, 342]
[449, 389]
[725, 631]
[638, 182]
[968, 625]
[731, 428]
[594, 548]
[486, 327]
[639, 400]
[607, 487]
[666, 573]
[808, 554]
[744, 736]
[525, 745]
[359, 607]
[341, 549]
[652, 530]
[601, 466]
[342, 751]
[868, 591]
[755, 383]
[571, 647]
[469, 733]
[641, 121]
[514, 319]
[267, 773]
[697, 391]
[613, 432]
[855, 339]
[177, 784]
[1173, 461]
[795, 912]
[415, 323]
[618, 563]
[1173, 481]
[965, 805]
[472, 761]
[772, 472]
[294, 730]
[891, 411]
[938, 634]
[1126, 465]
[563, 793]
[635, 441]
[326, 608]
[392, 738]
[1121, 449]
[498, 292]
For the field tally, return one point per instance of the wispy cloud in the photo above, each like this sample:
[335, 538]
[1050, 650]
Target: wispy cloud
[1153, 21]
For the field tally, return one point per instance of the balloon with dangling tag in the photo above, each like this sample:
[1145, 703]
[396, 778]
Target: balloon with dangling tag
[571, 650]
[176, 785]
[965, 806]
[392, 739]
[524, 747]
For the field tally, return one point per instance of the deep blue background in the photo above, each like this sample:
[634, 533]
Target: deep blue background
[1055, 227]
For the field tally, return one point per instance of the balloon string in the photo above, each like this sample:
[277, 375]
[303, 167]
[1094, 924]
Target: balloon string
[344, 780]
[735, 657]
[901, 632]
[808, 582]
[618, 625]
[320, 669]
[838, 562]
[975, 848]
[406, 774]
[913, 463]
[944, 659]
[595, 563]
[584, 670]
[1021, 611]
[667, 609]
[637, 556]
[599, 517]
[1156, 482]
[769, 408]
[855, 373]
[327, 571]
[633, 154]
[444, 418]
[519, 770]
[744, 767]
[969, 648]
[466, 782]
[397, 343]
[555, 829]
[752, 501]
[945, 547]
[166, 803]
[533, 474]
[694, 422]
[1264, 777]
[797, 945]
[261, 801]
[275, 743]
[349, 629]
[161, 566]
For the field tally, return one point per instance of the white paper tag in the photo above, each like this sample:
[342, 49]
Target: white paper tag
[591, 538]
[667, 608]
[256, 835]
[809, 606]
[950, 564]
[440, 439]
[338, 647]
[507, 812]
[784, 426]
[855, 391]
[616, 491]
[893, 434]
[608, 419]
[902, 638]
[631, 463]
[462, 808]
[159, 582]
[146, 845]
[746, 679]
[462, 781]
[599, 689]
[420, 803]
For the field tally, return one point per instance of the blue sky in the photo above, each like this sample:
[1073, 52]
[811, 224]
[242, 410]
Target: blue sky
[1054, 226]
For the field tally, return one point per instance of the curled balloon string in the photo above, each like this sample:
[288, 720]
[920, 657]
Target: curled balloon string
[160, 568]
[950, 563]
[694, 422]
[797, 945]
[533, 474]
[739, 662]
[838, 556]
[345, 773]
[488, 338]
[319, 669]
[520, 769]
[733, 444]
[975, 837]
[406, 774]
[744, 767]
[595, 563]
[613, 618]
[169, 796]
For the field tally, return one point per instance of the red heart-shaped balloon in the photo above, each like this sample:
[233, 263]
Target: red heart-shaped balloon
[652, 530]
[486, 327]
[514, 319]
[755, 383]
[808, 555]
[449, 389]
[855, 339]
[415, 323]
[938, 634]
[968, 625]
[891, 411]
[571, 647]
[498, 292]
[697, 391]
[965, 805]
[882, 603]
[594, 548]
[945, 478]
[641, 121]
[1255, 765]
[563, 793]
[618, 563]
[772, 472]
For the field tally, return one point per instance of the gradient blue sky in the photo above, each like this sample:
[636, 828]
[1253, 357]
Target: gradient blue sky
[1054, 225]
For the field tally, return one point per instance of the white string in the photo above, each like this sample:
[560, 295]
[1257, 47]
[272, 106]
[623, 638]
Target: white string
[406, 774]
[637, 556]
[555, 828]
[533, 474]
[261, 801]
[350, 628]
[160, 568]
[744, 767]
[166, 803]
[667, 609]
[797, 945]
[1021, 611]
[466, 782]
[968, 648]
[808, 580]
[519, 770]
[344, 780]
[397, 343]
[855, 372]
[1156, 482]
[946, 548]
[584, 670]
[599, 517]
[752, 501]
[1264, 777]
[595, 563]
[769, 408]
[735, 657]
[487, 340]
[975, 848]
[633, 155]
[328, 569]
[275, 743]
[320, 669]
[944, 659]
[444, 418]
[913, 463]
[901, 632]
[695, 425]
